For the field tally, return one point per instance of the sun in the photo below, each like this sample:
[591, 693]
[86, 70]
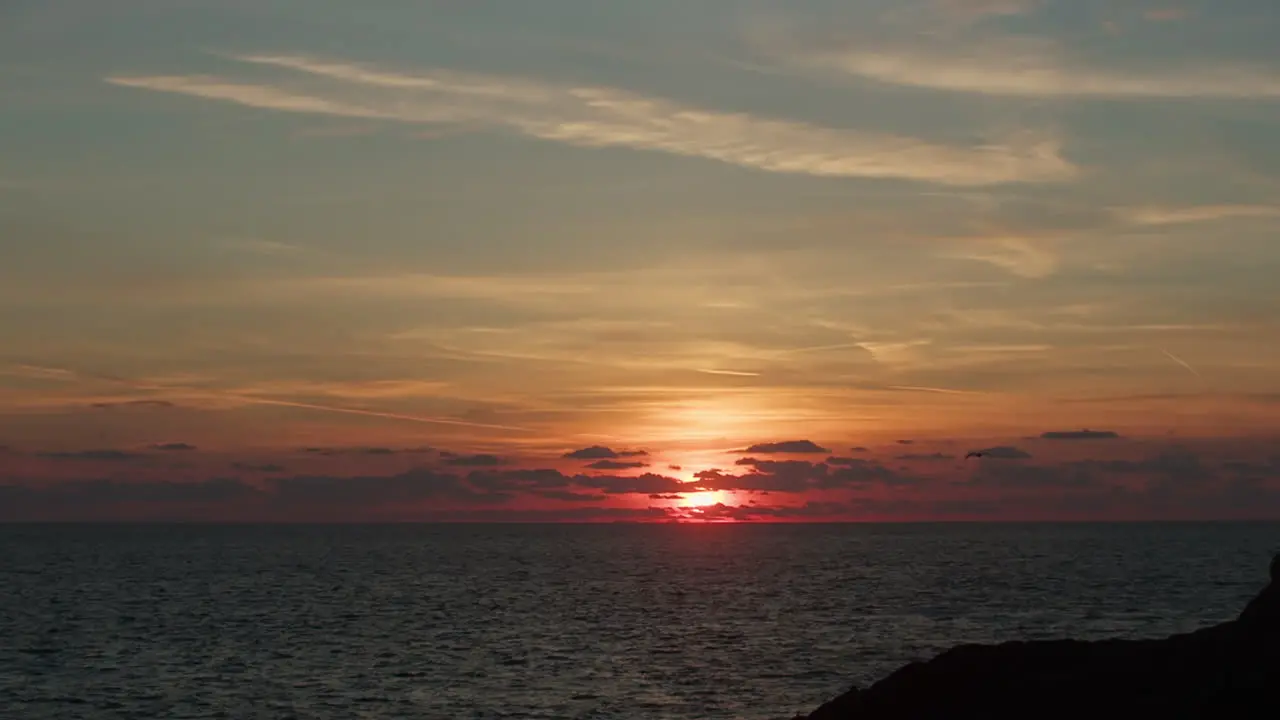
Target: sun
[704, 498]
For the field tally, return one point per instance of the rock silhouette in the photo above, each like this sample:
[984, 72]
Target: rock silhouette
[1230, 670]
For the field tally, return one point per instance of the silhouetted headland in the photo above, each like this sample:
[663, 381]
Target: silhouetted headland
[1230, 670]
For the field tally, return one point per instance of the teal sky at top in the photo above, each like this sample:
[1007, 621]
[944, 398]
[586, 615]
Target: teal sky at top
[141, 167]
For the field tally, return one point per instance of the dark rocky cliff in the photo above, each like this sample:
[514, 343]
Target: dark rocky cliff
[1230, 670]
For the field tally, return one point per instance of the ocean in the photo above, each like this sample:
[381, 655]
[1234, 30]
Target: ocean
[627, 622]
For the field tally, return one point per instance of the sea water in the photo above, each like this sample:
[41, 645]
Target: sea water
[565, 621]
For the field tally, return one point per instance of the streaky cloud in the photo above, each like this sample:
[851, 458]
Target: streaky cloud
[1020, 256]
[934, 390]
[376, 414]
[240, 398]
[602, 117]
[260, 96]
[730, 373]
[1027, 67]
[1195, 214]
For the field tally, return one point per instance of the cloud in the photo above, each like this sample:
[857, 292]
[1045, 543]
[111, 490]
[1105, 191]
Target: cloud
[1269, 468]
[799, 476]
[1171, 482]
[598, 117]
[173, 447]
[1080, 435]
[134, 404]
[646, 484]
[271, 402]
[1018, 476]
[1026, 67]
[264, 247]
[615, 465]
[331, 451]
[107, 455]
[240, 398]
[115, 500]
[814, 510]
[411, 490]
[263, 468]
[472, 460]
[1003, 452]
[845, 461]
[934, 390]
[798, 447]
[729, 373]
[569, 496]
[863, 473]
[565, 515]
[1170, 472]
[519, 480]
[1019, 256]
[599, 452]
[591, 453]
[930, 457]
[1156, 216]
[788, 477]
[39, 372]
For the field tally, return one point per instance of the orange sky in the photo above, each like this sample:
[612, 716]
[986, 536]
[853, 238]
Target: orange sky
[482, 236]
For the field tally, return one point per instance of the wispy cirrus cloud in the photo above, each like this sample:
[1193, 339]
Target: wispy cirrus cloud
[601, 117]
[1195, 214]
[1026, 66]
[1042, 74]
[208, 397]
[1028, 258]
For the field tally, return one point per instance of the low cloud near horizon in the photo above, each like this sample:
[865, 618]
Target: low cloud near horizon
[599, 452]
[1171, 481]
[1003, 452]
[798, 447]
[1080, 435]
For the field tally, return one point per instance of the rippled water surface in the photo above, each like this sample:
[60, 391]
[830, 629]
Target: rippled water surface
[563, 622]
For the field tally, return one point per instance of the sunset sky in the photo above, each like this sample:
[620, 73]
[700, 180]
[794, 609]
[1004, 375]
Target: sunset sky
[604, 260]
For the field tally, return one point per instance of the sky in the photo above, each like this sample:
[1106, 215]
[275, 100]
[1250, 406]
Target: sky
[592, 260]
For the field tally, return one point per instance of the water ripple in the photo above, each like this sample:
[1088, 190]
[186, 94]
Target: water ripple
[560, 622]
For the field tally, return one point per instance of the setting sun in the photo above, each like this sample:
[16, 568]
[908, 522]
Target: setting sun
[705, 498]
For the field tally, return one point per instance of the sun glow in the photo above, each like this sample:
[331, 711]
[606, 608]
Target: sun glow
[704, 498]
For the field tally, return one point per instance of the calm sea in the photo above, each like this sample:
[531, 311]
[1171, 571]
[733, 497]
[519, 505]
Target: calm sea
[612, 621]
